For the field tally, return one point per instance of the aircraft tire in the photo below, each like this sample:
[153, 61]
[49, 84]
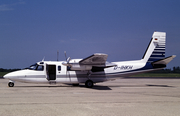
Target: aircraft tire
[89, 84]
[10, 84]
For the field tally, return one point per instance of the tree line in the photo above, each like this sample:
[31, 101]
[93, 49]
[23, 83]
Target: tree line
[8, 70]
[173, 70]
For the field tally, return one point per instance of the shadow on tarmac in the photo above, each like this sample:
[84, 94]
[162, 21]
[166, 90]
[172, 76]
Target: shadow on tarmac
[96, 87]
[151, 78]
[147, 85]
[159, 85]
[100, 87]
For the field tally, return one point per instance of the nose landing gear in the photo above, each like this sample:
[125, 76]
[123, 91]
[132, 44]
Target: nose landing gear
[11, 84]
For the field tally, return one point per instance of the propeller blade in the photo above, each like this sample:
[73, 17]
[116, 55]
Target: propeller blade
[68, 60]
[65, 55]
[66, 63]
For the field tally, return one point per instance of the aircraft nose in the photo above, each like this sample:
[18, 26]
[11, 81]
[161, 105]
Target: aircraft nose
[5, 76]
[13, 75]
[8, 76]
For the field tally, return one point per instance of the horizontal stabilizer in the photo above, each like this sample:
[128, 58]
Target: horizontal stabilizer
[165, 60]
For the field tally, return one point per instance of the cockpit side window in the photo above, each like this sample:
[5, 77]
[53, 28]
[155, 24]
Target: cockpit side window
[40, 68]
[36, 67]
[33, 67]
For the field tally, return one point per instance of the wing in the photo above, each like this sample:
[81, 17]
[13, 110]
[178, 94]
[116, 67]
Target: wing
[95, 59]
[95, 62]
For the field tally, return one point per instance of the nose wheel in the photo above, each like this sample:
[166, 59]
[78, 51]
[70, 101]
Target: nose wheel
[11, 84]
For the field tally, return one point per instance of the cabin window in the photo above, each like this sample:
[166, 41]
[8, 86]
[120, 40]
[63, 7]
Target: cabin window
[59, 68]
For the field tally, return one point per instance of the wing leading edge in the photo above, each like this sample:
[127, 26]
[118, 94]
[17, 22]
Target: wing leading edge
[95, 59]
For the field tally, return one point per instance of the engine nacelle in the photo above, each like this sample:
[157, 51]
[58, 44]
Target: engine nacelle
[80, 67]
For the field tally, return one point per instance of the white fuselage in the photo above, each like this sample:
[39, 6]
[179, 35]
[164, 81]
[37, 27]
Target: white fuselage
[63, 75]
[94, 68]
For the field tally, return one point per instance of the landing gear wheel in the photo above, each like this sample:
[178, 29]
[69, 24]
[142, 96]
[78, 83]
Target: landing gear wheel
[11, 84]
[89, 84]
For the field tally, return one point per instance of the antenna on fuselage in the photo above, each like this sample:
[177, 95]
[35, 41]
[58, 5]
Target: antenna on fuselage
[57, 55]
[43, 59]
[65, 55]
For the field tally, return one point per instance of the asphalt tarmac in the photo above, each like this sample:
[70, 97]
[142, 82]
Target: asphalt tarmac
[122, 97]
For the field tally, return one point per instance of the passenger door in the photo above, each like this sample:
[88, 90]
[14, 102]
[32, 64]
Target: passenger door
[50, 72]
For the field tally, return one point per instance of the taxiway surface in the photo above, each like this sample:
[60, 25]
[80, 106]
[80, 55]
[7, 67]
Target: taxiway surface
[122, 97]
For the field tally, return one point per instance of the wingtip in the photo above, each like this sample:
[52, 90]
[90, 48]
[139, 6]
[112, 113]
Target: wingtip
[99, 54]
[173, 56]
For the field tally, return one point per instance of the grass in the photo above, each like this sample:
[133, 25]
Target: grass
[3, 73]
[157, 75]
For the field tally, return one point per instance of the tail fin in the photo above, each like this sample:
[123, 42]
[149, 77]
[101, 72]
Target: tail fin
[156, 49]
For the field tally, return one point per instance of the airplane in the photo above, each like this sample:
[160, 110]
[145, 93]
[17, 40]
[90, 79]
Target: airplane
[95, 68]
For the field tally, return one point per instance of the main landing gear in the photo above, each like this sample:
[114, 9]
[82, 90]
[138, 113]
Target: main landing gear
[11, 84]
[89, 84]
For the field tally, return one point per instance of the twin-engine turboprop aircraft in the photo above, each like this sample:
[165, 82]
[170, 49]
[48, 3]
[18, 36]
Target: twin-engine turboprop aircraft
[93, 69]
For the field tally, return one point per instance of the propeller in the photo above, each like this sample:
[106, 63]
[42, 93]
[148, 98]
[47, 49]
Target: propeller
[65, 55]
[66, 63]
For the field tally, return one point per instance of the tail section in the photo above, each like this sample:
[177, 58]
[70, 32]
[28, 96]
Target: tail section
[156, 49]
[163, 62]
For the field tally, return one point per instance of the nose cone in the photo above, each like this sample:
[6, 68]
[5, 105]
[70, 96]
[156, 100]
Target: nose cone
[7, 76]
[12, 75]
[16, 75]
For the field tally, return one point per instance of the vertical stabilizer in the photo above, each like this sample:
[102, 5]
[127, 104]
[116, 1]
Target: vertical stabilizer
[156, 49]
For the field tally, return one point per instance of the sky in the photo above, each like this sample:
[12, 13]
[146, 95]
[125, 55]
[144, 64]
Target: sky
[31, 30]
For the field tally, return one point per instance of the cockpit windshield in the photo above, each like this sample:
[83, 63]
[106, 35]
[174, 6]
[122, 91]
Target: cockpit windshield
[33, 67]
[36, 67]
